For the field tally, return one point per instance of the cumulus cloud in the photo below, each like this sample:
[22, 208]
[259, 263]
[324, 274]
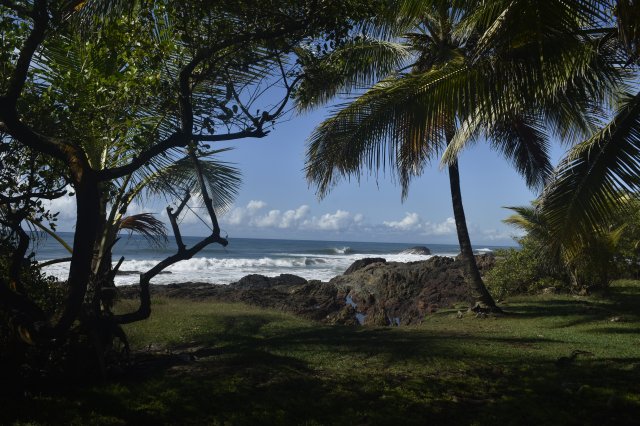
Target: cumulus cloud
[410, 222]
[255, 205]
[413, 223]
[443, 228]
[271, 219]
[292, 218]
[300, 218]
[338, 221]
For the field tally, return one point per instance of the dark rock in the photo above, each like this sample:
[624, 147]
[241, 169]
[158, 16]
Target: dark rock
[378, 292]
[484, 261]
[361, 263]
[252, 282]
[402, 293]
[417, 250]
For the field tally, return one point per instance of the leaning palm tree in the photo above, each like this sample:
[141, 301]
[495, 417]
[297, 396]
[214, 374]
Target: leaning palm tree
[414, 108]
[583, 197]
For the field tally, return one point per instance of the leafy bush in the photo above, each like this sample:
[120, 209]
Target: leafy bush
[523, 271]
[17, 359]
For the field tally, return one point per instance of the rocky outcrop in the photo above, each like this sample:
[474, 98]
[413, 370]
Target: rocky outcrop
[397, 293]
[361, 263]
[371, 292]
[417, 250]
[484, 261]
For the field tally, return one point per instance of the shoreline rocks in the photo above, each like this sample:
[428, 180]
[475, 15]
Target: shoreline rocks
[417, 250]
[371, 292]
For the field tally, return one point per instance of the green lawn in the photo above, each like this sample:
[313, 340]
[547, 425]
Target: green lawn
[254, 366]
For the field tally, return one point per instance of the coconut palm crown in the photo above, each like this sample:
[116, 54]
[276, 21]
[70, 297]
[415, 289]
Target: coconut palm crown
[392, 124]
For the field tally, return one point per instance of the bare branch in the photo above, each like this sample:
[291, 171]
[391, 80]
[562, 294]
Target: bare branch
[144, 310]
[176, 140]
[174, 223]
[248, 133]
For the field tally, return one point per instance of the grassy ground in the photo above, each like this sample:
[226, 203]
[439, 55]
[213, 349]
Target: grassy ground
[254, 366]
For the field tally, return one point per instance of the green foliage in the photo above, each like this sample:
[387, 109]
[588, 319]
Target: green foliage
[605, 254]
[526, 270]
[17, 359]
[261, 366]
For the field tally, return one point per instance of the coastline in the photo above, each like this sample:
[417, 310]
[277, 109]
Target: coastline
[371, 292]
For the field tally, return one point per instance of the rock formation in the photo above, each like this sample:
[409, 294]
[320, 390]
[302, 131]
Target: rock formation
[417, 250]
[371, 291]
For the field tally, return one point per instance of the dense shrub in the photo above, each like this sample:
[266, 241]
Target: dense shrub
[525, 270]
[18, 360]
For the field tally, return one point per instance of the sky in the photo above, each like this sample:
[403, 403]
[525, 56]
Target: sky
[275, 200]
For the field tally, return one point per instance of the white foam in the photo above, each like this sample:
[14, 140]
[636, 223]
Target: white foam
[228, 270]
[343, 250]
[484, 250]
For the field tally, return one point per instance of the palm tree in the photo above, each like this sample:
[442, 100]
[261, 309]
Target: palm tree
[412, 112]
[584, 196]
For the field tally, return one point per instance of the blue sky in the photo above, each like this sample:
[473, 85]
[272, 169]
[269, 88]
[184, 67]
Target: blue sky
[276, 202]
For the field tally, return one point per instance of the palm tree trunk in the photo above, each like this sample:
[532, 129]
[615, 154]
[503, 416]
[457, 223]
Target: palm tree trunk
[474, 280]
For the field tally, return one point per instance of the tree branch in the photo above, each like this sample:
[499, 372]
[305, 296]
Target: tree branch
[176, 140]
[144, 310]
[247, 133]
[35, 38]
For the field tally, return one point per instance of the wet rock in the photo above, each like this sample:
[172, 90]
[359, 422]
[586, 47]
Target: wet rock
[394, 292]
[361, 263]
[417, 250]
[377, 293]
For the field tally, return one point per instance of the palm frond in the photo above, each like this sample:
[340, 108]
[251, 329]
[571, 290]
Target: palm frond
[585, 192]
[222, 180]
[398, 123]
[146, 225]
[356, 65]
[628, 20]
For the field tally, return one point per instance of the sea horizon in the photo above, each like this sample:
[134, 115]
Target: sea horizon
[310, 259]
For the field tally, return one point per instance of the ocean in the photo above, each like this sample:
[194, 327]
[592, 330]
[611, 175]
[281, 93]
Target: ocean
[321, 260]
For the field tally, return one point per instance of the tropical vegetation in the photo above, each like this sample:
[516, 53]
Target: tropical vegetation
[445, 74]
[112, 101]
[107, 99]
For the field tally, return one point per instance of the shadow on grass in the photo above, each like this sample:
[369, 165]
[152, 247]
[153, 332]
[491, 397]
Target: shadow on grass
[622, 299]
[251, 369]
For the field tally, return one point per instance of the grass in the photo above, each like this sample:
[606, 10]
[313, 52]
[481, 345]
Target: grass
[254, 366]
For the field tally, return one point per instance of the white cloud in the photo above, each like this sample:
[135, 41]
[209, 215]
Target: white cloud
[443, 228]
[255, 205]
[293, 218]
[235, 216]
[413, 223]
[271, 219]
[410, 222]
[338, 221]
[299, 218]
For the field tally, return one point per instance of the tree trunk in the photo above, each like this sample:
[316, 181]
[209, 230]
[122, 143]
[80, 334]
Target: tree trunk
[474, 280]
[87, 225]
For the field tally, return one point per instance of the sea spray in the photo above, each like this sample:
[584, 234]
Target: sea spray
[320, 260]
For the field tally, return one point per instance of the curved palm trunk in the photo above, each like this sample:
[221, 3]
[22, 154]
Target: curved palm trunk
[474, 280]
